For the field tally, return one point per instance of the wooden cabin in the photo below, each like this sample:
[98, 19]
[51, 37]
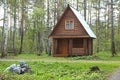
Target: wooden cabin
[72, 35]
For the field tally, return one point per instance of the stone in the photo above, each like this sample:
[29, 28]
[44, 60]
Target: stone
[19, 69]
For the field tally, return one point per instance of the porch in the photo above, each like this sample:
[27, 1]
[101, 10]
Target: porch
[72, 47]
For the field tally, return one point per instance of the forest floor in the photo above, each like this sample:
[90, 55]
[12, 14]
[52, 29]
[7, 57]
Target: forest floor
[106, 59]
[112, 76]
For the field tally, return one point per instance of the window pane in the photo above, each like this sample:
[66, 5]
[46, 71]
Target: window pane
[69, 25]
[77, 43]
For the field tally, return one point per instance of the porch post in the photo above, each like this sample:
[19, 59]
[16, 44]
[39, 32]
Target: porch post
[70, 47]
[54, 46]
[90, 46]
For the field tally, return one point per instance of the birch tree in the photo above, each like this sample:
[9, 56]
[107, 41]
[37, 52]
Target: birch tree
[5, 35]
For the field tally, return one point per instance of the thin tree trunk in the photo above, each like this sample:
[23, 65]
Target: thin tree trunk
[38, 44]
[105, 26]
[98, 27]
[77, 5]
[90, 14]
[21, 28]
[112, 32]
[39, 37]
[119, 24]
[48, 13]
[5, 38]
[10, 31]
[14, 31]
[48, 31]
[2, 35]
[85, 5]
[55, 11]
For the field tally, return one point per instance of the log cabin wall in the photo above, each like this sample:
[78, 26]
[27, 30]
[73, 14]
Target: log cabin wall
[72, 46]
[90, 46]
[77, 31]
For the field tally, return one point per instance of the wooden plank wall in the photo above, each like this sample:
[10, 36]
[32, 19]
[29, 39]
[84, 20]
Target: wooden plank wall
[78, 28]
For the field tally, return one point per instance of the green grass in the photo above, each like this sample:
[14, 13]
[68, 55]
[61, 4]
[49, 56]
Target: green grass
[33, 56]
[61, 70]
[99, 56]
[108, 56]
[96, 56]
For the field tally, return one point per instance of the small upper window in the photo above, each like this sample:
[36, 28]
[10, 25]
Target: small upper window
[69, 24]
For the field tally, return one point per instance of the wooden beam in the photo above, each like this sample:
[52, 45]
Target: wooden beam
[70, 46]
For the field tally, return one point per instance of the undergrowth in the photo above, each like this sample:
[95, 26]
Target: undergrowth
[60, 71]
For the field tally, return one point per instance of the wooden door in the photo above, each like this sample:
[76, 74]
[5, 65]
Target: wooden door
[63, 46]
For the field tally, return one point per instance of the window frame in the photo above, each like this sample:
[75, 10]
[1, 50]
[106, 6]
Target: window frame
[68, 22]
[78, 43]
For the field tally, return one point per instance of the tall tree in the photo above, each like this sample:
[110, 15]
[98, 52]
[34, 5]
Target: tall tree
[98, 25]
[22, 25]
[47, 40]
[14, 30]
[5, 35]
[112, 32]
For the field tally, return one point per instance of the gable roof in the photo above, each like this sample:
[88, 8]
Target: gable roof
[81, 20]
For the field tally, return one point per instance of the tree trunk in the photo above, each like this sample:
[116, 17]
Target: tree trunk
[47, 47]
[98, 27]
[85, 5]
[119, 24]
[5, 35]
[14, 30]
[2, 35]
[38, 44]
[22, 28]
[39, 40]
[112, 32]
[77, 5]
[55, 12]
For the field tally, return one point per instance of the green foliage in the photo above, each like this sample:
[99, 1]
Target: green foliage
[92, 57]
[91, 76]
[99, 56]
[117, 43]
[38, 12]
[60, 71]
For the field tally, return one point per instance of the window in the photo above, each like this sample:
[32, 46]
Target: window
[77, 43]
[69, 24]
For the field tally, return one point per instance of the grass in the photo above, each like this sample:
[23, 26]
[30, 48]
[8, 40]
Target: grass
[60, 70]
[99, 56]
[29, 56]
[108, 56]
[96, 56]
